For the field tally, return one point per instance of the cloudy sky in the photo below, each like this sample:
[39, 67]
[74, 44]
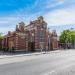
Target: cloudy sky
[57, 13]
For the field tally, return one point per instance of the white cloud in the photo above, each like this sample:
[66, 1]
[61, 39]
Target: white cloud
[5, 30]
[54, 17]
[8, 24]
[9, 20]
[60, 2]
[3, 22]
[61, 17]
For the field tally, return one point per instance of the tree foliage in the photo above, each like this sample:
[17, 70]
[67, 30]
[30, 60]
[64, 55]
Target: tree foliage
[1, 36]
[67, 36]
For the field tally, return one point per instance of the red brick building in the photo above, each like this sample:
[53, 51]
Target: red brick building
[32, 37]
[54, 41]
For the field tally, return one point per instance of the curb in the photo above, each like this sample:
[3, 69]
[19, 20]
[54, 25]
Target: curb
[30, 54]
[12, 56]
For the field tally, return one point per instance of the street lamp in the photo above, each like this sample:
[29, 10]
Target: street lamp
[66, 43]
[49, 42]
[48, 39]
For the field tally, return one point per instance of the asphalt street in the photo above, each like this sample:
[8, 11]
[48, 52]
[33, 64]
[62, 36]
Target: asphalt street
[53, 63]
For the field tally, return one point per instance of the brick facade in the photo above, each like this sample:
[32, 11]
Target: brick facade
[54, 42]
[32, 37]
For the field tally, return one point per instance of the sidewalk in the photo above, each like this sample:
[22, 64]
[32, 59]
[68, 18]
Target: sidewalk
[6, 59]
[27, 54]
[19, 55]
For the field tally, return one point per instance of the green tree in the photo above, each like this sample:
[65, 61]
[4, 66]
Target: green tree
[67, 36]
[1, 35]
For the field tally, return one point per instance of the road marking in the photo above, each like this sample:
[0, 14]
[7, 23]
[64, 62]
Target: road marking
[49, 73]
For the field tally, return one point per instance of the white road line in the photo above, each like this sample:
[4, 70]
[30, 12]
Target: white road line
[49, 73]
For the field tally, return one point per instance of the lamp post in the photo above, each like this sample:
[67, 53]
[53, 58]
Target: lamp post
[25, 41]
[66, 43]
[48, 39]
[48, 42]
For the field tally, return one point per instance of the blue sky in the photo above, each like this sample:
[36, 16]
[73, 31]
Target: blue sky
[57, 13]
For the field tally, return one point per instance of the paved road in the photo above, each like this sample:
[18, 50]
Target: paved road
[54, 63]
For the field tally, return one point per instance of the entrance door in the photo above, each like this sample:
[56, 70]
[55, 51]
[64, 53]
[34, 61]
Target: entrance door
[31, 46]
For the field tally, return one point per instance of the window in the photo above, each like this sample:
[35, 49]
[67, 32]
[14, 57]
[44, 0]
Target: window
[41, 36]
